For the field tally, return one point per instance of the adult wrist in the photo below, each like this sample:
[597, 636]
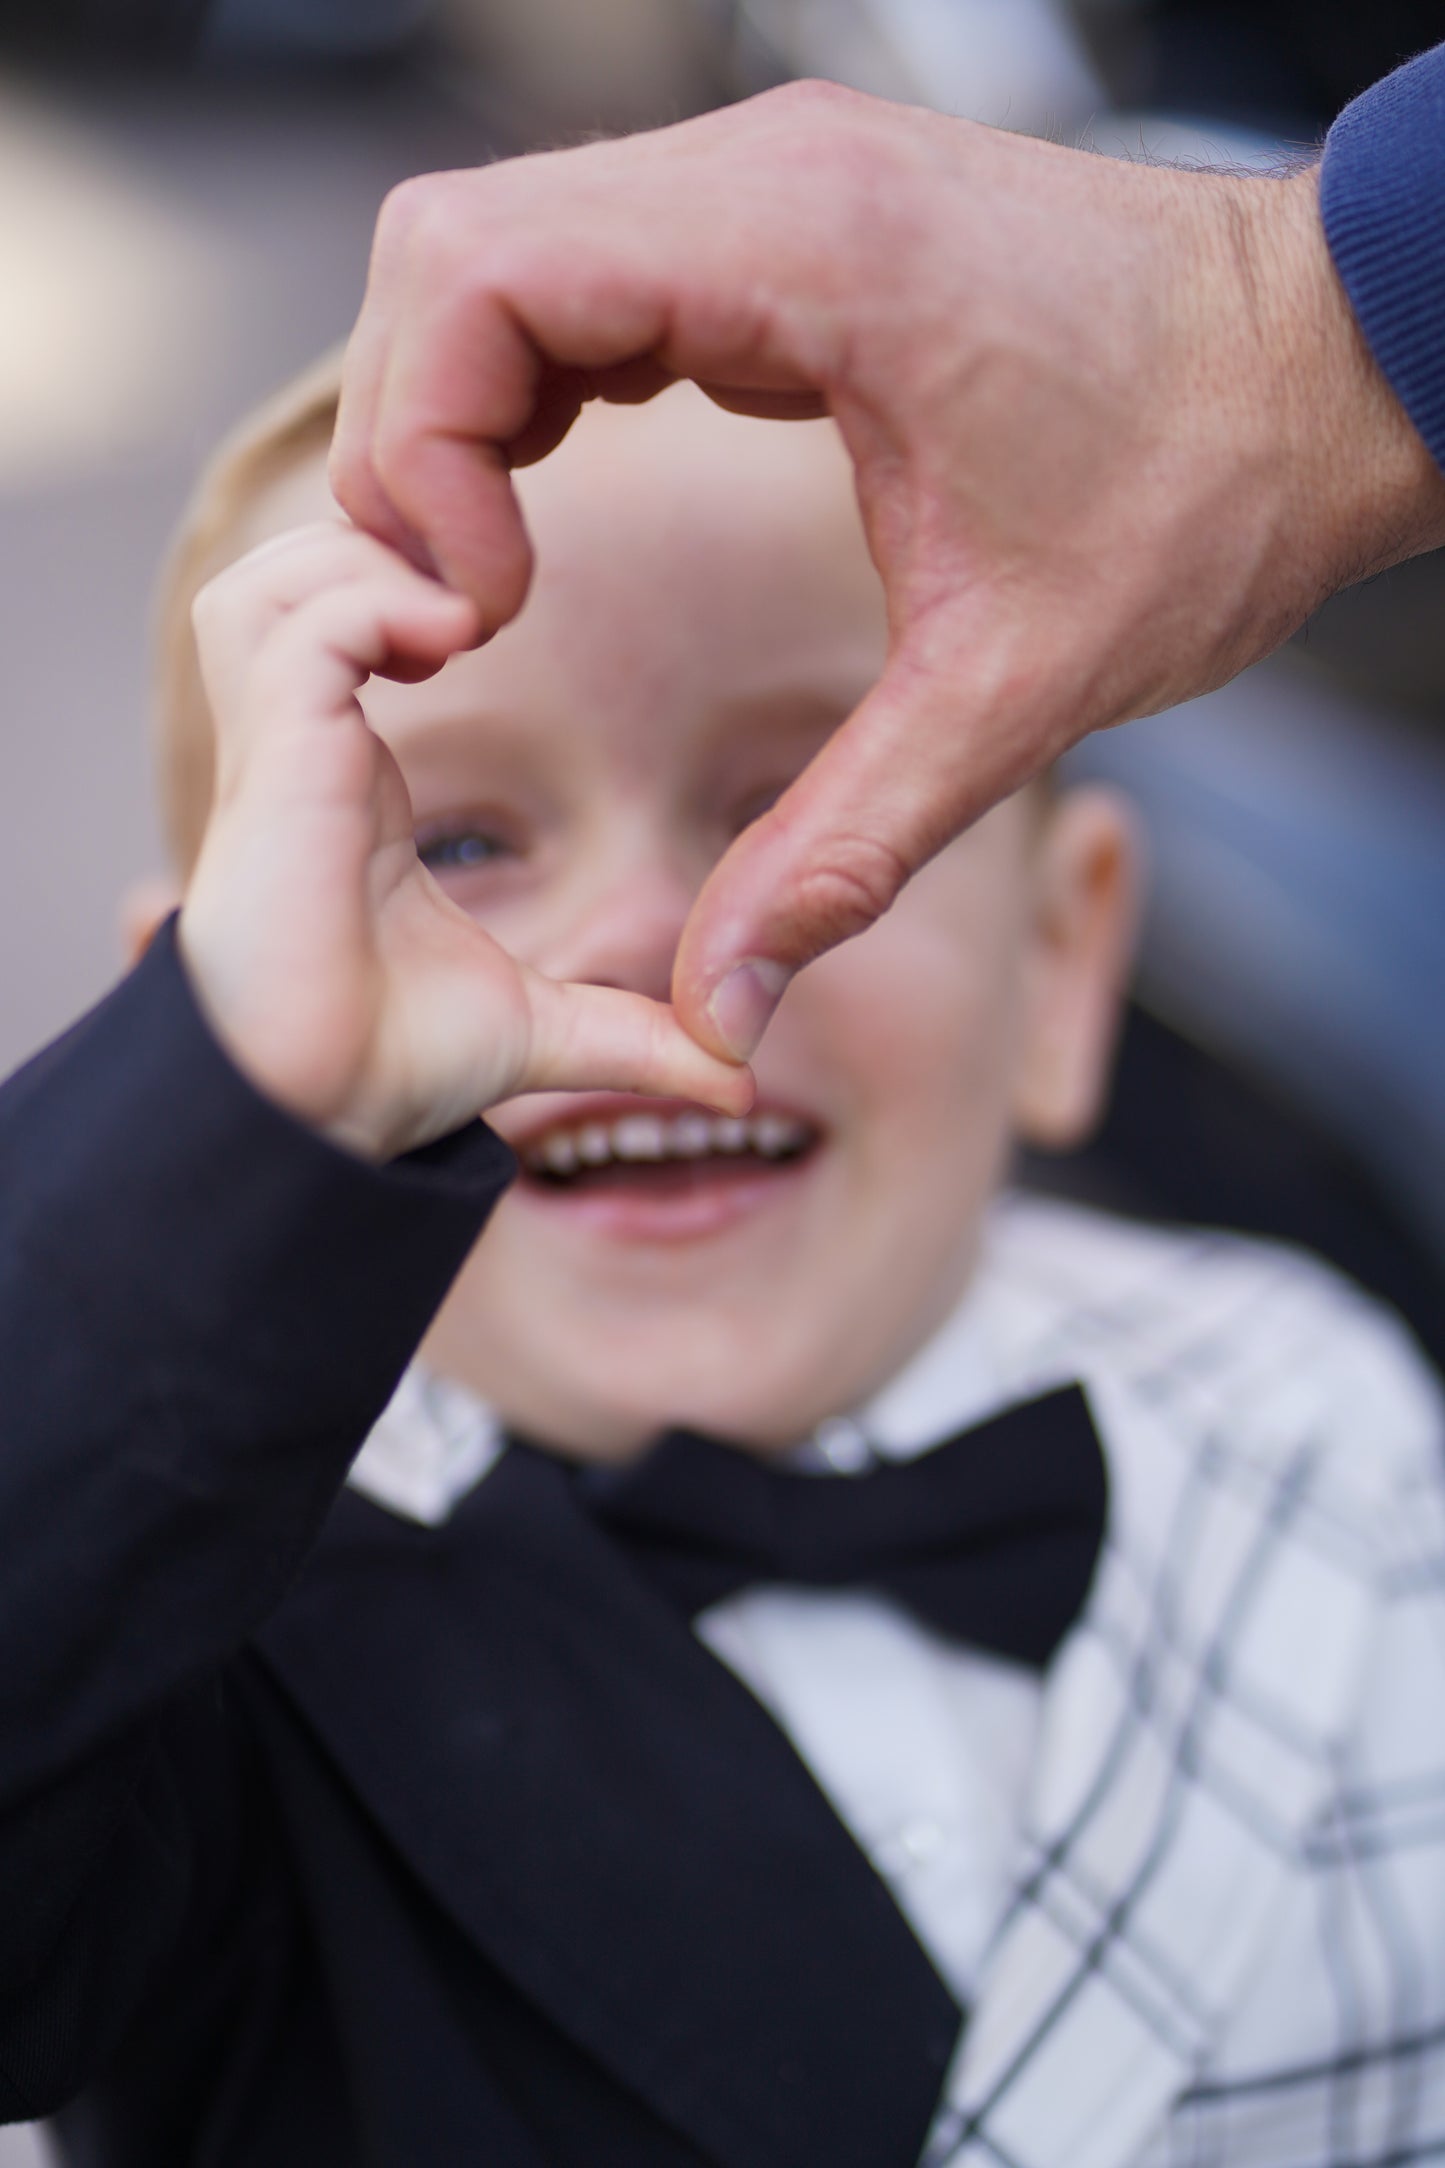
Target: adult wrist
[1382, 193]
[1369, 491]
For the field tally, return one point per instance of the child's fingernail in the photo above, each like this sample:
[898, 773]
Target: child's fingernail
[743, 1003]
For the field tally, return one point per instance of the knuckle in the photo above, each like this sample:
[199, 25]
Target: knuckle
[421, 223]
[402, 206]
[841, 147]
[813, 96]
[850, 889]
[432, 216]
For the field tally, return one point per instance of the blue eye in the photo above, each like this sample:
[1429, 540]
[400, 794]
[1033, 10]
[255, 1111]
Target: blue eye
[461, 851]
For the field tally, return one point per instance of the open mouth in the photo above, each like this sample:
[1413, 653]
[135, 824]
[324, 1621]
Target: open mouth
[665, 1152]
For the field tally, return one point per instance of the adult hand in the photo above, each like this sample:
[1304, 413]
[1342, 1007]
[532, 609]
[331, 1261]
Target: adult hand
[1115, 430]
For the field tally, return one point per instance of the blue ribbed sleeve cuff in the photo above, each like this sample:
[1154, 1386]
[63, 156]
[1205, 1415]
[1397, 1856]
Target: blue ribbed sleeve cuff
[1382, 193]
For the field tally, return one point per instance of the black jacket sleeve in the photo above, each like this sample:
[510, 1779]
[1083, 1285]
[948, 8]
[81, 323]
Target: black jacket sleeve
[203, 1308]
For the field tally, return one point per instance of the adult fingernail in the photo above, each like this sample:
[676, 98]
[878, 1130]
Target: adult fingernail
[743, 1003]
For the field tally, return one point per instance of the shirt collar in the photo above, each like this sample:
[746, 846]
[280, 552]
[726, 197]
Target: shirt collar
[432, 1444]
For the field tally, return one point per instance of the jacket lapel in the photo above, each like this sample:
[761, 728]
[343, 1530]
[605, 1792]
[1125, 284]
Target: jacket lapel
[1186, 1742]
[610, 1816]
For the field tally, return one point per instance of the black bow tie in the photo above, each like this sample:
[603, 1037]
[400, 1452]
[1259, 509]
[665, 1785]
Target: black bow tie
[991, 1537]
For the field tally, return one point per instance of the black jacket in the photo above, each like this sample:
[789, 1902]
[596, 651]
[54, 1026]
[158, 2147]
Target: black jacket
[324, 1838]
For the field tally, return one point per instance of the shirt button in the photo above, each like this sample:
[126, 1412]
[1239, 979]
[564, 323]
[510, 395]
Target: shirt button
[913, 1845]
[843, 1445]
[920, 1841]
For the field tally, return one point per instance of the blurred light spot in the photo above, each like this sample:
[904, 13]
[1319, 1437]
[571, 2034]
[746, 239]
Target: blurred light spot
[111, 303]
[1014, 63]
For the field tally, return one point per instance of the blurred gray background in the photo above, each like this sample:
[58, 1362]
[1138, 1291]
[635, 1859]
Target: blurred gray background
[164, 260]
[186, 197]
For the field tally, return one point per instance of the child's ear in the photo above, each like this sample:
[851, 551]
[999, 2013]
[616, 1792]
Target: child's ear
[144, 908]
[1081, 941]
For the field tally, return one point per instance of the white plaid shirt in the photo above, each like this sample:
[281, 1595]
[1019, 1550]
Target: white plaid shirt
[1219, 1933]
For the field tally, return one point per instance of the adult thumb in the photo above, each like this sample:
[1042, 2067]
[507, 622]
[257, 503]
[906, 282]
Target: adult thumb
[910, 769]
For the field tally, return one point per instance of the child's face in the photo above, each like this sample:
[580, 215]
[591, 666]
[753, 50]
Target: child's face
[704, 614]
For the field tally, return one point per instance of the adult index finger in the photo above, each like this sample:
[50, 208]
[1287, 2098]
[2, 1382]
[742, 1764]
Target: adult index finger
[500, 299]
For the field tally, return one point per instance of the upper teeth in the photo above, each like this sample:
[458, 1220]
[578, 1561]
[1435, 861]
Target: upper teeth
[641, 1138]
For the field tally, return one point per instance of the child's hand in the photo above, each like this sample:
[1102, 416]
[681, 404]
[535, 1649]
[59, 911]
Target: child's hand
[333, 968]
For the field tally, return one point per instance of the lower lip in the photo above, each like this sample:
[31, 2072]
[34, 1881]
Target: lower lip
[698, 1202]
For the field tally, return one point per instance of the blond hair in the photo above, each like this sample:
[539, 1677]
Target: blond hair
[293, 425]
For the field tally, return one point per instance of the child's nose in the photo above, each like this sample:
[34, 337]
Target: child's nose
[626, 931]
